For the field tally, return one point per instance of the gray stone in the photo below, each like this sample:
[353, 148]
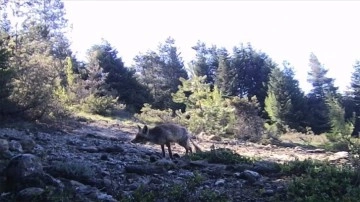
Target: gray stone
[4, 145]
[220, 182]
[15, 146]
[24, 170]
[90, 149]
[251, 176]
[22, 166]
[28, 144]
[30, 194]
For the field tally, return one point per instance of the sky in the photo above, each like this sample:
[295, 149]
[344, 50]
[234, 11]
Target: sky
[284, 30]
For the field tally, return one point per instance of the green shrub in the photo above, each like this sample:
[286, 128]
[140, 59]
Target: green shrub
[186, 191]
[206, 108]
[221, 155]
[298, 167]
[248, 124]
[321, 181]
[208, 111]
[208, 195]
[154, 116]
[99, 105]
[195, 181]
[140, 194]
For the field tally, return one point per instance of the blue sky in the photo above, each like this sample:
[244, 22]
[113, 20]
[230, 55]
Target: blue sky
[285, 30]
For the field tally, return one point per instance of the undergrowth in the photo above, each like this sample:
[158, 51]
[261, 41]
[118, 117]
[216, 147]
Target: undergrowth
[222, 156]
[187, 191]
[321, 181]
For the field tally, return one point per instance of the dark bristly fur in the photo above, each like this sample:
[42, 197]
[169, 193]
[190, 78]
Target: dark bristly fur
[165, 134]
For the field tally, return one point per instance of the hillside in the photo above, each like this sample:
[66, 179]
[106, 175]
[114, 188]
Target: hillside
[87, 160]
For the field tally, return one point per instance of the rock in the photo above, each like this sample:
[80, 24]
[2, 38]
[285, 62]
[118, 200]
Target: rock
[23, 169]
[105, 197]
[144, 169]
[112, 149]
[237, 175]
[266, 167]
[15, 146]
[238, 167]
[6, 155]
[104, 157]
[153, 158]
[216, 170]
[268, 192]
[30, 194]
[220, 182]
[88, 193]
[280, 188]
[199, 163]
[316, 151]
[168, 164]
[4, 145]
[339, 155]
[90, 149]
[40, 151]
[12, 134]
[156, 181]
[92, 135]
[176, 155]
[250, 176]
[186, 174]
[27, 144]
[23, 165]
[216, 138]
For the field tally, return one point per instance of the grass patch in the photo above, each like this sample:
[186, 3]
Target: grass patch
[321, 181]
[186, 191]
[125, 117]
[222, 156]
[94, 117]
[304, 139]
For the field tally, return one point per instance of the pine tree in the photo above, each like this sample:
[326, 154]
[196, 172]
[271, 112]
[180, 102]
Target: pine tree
[225, 75]
[5, 78]
[340, 127]
[36, 61]
[206, 62]
[323, 88]
[278, 102]
[206, 109]
[120, 80]
[160, 72]
[285, 101]
[355, 96]
[251, 69]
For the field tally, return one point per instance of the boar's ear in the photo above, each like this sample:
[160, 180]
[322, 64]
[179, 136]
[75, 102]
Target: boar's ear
[145, 129]
[139, 128]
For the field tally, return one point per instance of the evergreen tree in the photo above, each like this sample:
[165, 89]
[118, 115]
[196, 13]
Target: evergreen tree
[225, 75]
[160, 73]
[206, 109]
[251, 69]
[278, 102]
[120, 79]
[323, 88]
[340, 127]
[5, 78]
[206, 62]
[34, 44]
[355, 96]
[285, 101]
[296, 118]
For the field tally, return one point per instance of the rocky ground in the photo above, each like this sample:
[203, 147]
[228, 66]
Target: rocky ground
[94, 161]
